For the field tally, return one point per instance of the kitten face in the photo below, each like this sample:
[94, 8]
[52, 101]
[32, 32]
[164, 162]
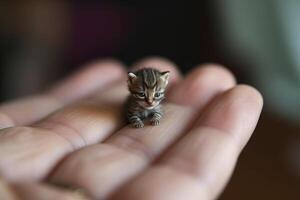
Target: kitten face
[148, 86]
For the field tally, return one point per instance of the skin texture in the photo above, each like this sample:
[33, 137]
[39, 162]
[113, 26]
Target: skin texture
[75, 137]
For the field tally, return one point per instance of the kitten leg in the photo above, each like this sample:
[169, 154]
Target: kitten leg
[155, 118]
[136, 122]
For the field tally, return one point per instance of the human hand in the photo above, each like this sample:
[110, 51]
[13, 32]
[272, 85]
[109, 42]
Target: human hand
[83, 144]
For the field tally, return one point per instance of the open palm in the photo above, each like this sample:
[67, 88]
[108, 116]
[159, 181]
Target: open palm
[73, 135]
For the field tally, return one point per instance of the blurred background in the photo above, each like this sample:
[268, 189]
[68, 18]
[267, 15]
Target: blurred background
[259, 41]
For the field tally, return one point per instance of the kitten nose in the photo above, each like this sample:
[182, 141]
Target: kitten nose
[149, 101]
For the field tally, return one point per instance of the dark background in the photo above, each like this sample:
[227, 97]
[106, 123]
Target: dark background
[42, 41]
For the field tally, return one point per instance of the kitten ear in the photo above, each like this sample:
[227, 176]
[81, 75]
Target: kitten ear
[131, 77]
[165, 76]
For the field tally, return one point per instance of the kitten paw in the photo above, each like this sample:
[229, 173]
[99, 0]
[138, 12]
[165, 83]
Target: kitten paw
[154, 122]
[138, 124]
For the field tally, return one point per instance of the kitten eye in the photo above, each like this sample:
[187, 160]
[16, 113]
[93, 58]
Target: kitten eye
[141, 94]
[158, 94]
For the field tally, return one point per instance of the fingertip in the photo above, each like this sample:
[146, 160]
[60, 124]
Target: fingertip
[202, 84]
[250, 94]
[101, 69]
[113, 66]
[213, 77]
[218, 71]
[91, 77]
[235, 112]
[243, 98]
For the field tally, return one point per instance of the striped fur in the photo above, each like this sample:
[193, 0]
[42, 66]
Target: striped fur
[147, 89]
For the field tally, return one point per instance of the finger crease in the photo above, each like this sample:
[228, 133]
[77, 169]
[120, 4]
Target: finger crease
[133, 145]
[229, 135]
[66, 131]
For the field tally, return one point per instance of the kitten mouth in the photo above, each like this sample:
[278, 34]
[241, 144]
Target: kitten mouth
[147, 106]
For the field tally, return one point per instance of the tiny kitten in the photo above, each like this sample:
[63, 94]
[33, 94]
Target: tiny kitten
[147, 89]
